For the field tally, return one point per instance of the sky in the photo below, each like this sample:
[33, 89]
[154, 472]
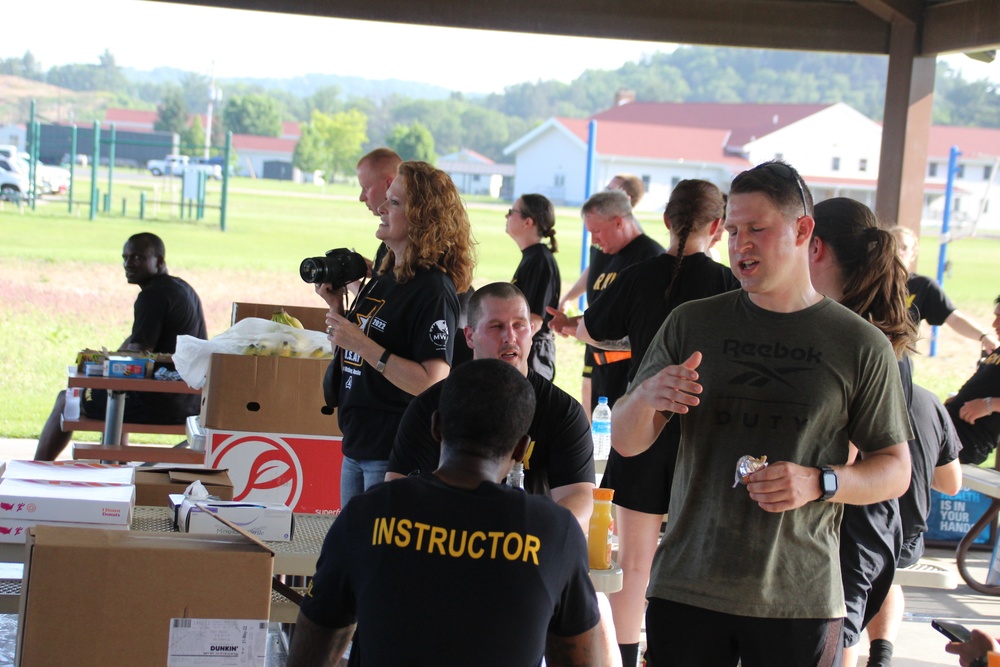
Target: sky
[260, 44]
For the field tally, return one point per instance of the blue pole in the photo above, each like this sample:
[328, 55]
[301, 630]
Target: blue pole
[587, 191]
[949, 190]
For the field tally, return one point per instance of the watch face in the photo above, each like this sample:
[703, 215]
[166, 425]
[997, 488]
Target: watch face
[829, 482]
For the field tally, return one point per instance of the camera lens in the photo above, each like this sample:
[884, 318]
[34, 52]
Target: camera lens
[313, 270]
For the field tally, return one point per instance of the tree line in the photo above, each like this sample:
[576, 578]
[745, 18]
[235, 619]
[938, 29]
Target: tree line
[338, 128]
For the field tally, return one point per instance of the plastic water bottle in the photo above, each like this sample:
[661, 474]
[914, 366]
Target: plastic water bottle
[600, 428]
[71, 411]
[515, 478]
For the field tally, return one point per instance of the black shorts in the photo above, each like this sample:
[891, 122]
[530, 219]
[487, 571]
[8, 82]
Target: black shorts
[679, 634]
[911, 551]
[143, 407]
[870, 538]
[609, 380]
[642, 483]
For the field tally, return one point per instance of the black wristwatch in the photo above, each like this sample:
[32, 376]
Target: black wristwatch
[827, 483]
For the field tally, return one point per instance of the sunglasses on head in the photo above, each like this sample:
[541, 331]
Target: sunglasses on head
[785, 172]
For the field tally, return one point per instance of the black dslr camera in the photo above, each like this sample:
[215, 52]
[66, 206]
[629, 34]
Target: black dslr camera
[338, 268]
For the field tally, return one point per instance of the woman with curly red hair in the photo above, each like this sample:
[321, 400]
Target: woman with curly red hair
[399, 337]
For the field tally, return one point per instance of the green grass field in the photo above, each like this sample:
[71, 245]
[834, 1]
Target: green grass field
[62, 288]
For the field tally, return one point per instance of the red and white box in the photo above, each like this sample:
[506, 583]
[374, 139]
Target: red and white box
[69, 471]
[16, 530]
[78, 502]
[299, 471]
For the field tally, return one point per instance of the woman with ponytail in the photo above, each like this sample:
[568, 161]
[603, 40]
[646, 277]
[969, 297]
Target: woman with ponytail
[854, 261]
[531, 222]
[634, 306]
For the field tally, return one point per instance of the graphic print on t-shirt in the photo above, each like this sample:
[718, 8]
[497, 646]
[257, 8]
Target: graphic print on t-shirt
[439, 334]
[363, 315]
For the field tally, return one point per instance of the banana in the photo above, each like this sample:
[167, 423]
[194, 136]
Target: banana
[282, 317]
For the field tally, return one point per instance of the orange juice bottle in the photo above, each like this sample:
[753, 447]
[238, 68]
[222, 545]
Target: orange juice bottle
[601, 530]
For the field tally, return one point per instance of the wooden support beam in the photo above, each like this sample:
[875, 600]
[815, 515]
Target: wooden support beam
[906, 124]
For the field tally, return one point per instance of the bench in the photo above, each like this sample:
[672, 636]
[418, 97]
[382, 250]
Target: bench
[926, 575]
[126, 452]
[85, 424]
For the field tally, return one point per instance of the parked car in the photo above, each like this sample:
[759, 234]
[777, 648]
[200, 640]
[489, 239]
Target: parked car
[175, 165]
[13, 182]
[49, 180]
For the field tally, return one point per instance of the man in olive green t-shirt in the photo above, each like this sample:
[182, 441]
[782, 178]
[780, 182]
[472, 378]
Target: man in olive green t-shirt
[776, 369]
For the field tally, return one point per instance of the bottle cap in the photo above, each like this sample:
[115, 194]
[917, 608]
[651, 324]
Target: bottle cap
[602, 399]
[606, 495]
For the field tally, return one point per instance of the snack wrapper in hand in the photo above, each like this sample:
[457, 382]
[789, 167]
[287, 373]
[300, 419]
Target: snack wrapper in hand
[746, 466]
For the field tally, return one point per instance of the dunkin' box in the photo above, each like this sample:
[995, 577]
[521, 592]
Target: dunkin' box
[267, 395]
[299, 471]
[94, 598]
[15, 531]
[81, 502]
[68, 471]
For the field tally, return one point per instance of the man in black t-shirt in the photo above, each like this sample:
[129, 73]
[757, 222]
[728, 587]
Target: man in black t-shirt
[166, 307]
[618, 244]
[451, 568]
[975, 409]
[934, 457]
[560, 458]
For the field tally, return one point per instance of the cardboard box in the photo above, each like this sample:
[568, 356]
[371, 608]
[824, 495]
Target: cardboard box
[153, 485]
[265, 521]
[83, 502]
[299, 471]
[15, 531]
[311, 318]
[93, 598]
[267, 395]
[68, 471]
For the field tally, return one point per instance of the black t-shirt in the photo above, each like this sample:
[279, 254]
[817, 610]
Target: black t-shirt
[927, 301]
[983, 436]
[166, 307]
[416, 320]
[935, 444]
[446, 576]
[561, 450]
[537, 276]
[611, 379]
[635, 304]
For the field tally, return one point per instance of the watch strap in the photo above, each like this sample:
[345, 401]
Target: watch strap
[380, 366]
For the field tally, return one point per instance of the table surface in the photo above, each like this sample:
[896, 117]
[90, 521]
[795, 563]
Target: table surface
[76, 379]
[984, 480]
[296, 557]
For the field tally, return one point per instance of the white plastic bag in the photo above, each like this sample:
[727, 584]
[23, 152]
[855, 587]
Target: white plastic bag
[252, 335]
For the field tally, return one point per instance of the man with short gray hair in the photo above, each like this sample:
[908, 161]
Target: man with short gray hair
[618, 243]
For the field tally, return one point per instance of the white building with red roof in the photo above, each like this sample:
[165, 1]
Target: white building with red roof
[834, 147]
[476, 174]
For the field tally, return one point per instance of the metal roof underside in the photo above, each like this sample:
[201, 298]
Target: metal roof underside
[857, 26]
